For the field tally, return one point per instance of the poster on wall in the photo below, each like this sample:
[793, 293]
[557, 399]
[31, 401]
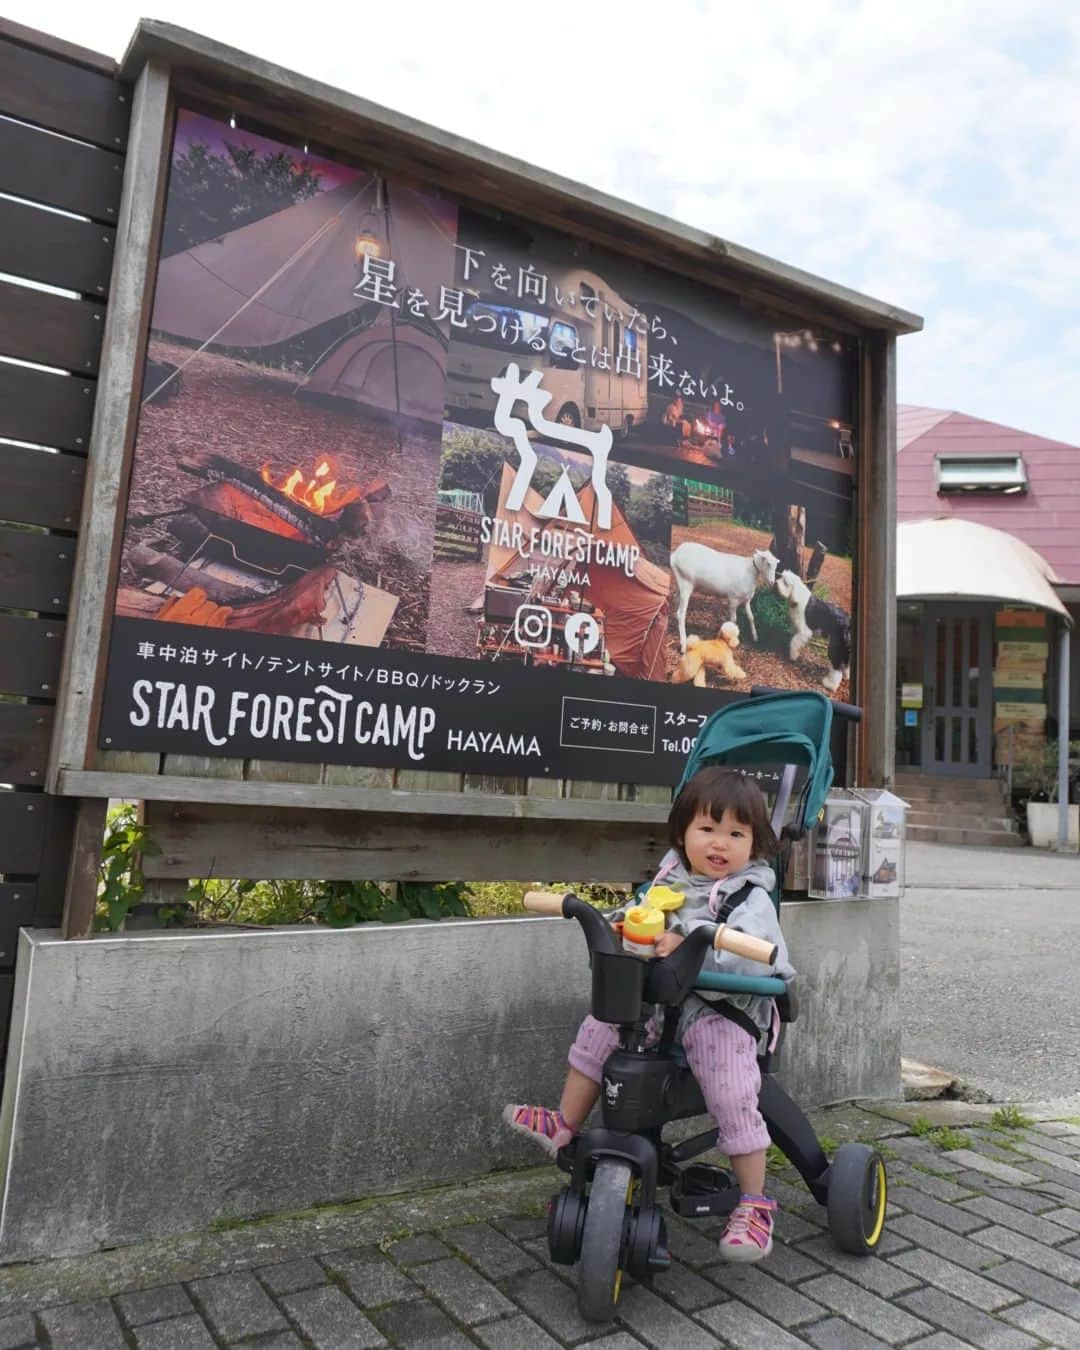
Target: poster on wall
[422, 487]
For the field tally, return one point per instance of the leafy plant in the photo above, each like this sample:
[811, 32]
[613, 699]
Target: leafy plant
[1010, 1118]
[1035, 771]
[947, 1139]
[120, 875]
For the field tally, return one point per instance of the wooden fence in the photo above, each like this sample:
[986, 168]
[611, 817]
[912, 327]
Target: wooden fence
[63, 130]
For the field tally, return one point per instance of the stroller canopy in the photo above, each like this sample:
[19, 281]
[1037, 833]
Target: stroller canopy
[773, 729]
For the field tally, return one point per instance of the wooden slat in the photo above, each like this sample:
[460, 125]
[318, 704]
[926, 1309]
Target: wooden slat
[18, 900]
[214, 840]
[39, 488]
[44, 246]
[50, 329]
[25, 730]
[30, 654]
[69, 99]
[81, 882]
[93, 783]
[74, 177]
[22, 832]
[35, 570]
[45, 409]
[52, 45]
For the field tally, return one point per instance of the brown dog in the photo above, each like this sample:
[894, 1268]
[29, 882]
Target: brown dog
[703, 653]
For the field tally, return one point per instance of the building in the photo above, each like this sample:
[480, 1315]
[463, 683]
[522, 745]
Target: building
[988, 589]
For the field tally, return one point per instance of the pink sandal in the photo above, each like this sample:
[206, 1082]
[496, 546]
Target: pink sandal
[548, 1128]
[748, 1235]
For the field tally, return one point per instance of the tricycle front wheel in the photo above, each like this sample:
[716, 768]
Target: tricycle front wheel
[858, 1195]
[600, 1272]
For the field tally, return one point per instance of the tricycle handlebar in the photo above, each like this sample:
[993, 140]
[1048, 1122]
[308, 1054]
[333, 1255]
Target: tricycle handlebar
[567, 905]
[545, 902]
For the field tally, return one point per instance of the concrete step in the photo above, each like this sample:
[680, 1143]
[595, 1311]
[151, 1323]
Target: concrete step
[950, 791]
[961, 819]
[930, 834]
[926, 782]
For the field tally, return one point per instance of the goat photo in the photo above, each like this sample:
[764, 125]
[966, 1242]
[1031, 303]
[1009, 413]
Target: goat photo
[731, 591]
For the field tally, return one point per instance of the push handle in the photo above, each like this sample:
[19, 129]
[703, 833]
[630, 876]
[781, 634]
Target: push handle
[742, 944]
[849, 710]
[545, 902]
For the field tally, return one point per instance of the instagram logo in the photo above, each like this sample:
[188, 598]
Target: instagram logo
[532, 626]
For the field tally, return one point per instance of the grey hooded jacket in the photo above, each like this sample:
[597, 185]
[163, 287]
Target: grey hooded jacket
[756, 915]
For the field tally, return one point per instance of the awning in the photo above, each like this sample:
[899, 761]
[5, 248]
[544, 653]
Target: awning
[950, 559]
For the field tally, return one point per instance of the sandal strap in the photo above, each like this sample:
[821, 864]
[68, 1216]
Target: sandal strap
[540, 1120]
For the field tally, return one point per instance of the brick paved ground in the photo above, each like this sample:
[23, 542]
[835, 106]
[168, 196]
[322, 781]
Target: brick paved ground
[982, 1249]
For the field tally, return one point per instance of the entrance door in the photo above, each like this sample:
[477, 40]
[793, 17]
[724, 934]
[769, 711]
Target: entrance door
[957, 691]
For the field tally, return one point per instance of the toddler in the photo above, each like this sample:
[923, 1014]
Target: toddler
[720, 835]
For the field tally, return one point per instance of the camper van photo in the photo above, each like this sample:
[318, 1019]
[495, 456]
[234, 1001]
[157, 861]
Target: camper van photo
[592, 363]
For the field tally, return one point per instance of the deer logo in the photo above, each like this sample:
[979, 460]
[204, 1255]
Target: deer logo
[562, 501]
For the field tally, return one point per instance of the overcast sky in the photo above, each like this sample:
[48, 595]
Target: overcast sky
[925, 153]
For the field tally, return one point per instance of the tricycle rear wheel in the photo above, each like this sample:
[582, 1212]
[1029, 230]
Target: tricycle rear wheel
[599, 1273]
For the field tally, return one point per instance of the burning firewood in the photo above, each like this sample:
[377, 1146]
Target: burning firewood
[313, 506]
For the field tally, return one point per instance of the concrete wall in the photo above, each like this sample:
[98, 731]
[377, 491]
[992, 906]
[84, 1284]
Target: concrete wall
[157, 1083]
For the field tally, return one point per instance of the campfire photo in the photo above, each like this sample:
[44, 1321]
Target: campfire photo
[287, 453]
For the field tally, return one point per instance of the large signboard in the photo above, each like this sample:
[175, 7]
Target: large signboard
[420, 486]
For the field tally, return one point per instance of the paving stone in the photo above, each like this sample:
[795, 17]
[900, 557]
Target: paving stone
[865, 1309]
[1067, 1217]
[940, 1340]
[17, 1331]
[465, 1294]
[1072, 1249]
[178, 1333]
[658, 1323]
[370, 1278]
[790, 1264]
[153, 1305]
[83, 1326]
[971, 1325]
[921, 1151]
[1067, 1146]
[1048, 1259]
[761, 1290]
[1045, 1322]
[1064, 1161]
[1067, 1184]
[687, 1290]
[275, 1340]
[978, 1162]
[948, 1216]
[416, 1250]
[746, 1329]
[622, 1340]
[954, 1279]
[236, 1305]
[521, 1333]
[1061, 1129]
[1029, 1200]
[493, 1255]
[551, 1302]
[519, 1228]
[880, 1277]
[948, 1245]
[420, 1324]
[836, 1334]
[891, 1242]
[790, 1228]
[289, 1276]
[688, 1242]
[331, 1320]
[941, 1188]
[1042, 1230]
[1034, 1284]
[539, 1251]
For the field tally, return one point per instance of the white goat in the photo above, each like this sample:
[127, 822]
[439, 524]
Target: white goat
[733, 578]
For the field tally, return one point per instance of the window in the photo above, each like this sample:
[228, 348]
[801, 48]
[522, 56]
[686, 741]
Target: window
[981, 473]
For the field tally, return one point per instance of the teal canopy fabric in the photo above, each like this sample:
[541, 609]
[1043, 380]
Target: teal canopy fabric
[775, 729]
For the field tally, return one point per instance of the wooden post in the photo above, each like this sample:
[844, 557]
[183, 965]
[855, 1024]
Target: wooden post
[80, 893]
[113, 433]
[817, 561]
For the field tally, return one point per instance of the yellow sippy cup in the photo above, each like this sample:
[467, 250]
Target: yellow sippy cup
[641, 927]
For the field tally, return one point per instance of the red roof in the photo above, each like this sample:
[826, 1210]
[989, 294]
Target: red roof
[1046, 517]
